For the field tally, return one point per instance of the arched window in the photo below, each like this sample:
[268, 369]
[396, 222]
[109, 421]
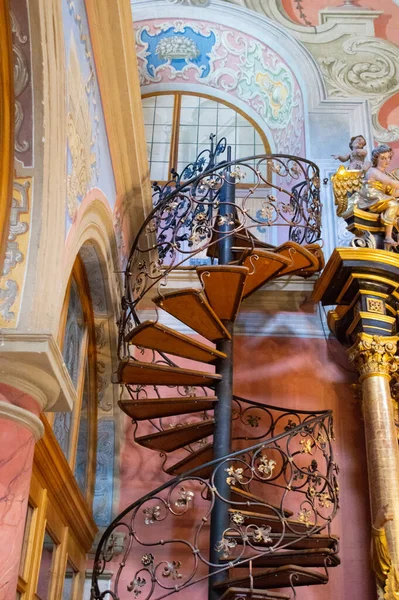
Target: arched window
[178, 126]
[76, 431]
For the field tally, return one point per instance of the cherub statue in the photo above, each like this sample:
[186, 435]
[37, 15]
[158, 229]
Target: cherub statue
[374, 191]
[386, 575]
[356, 156]
[380, 191]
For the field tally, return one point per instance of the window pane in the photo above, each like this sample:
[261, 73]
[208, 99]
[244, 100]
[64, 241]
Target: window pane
[69, 581]
[167, 101]
[46, 567]
[28, 522]
[190, 101]
[83, 440]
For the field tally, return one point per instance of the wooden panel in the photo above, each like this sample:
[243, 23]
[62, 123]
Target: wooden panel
[262, 266]
[298, 255]
[191, 308]
[140, 373]
[278, 578]
[158, 337]
[177, 437]
[223, 286]
[6, 125]
[154, 408]
[201, 457]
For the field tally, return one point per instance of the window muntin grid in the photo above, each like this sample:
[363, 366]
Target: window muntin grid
[178, 127]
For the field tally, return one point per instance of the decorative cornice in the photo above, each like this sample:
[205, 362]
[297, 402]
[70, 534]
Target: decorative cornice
[33, 364]
[374, 355]
[22, 417]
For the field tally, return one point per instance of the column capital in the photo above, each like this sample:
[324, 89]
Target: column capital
[374, 355]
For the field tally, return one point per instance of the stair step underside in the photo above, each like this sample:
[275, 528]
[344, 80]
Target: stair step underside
[139, 373]
[158, 337]
[191, 461]
[177, 437]
[299, 257]
[256, 502]
[241, 241]
[271, 520]
[235, 593]
[223, 286]
[291, 541]
[263, 266]
[191, 307]
[280, 577]
[155, 408]
[315, 558]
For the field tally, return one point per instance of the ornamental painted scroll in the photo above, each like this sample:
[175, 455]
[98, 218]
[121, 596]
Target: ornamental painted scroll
[367, 196]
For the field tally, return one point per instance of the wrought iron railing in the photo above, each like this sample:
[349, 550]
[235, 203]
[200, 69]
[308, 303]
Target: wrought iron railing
[185, 221]
[166, 531]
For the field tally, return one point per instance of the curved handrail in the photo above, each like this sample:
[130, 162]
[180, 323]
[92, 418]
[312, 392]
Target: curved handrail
[291, 458]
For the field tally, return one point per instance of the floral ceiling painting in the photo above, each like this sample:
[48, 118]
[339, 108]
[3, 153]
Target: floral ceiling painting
[229, 62]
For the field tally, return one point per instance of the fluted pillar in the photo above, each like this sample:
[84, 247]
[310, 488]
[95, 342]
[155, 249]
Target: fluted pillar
[375, 360]
[20, 428]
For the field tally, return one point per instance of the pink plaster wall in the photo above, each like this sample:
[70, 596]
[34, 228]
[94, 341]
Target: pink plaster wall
[303, 374]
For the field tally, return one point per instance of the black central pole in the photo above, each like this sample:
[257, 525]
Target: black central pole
[224, 390]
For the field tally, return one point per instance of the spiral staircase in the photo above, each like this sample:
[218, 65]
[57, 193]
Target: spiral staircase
[267, 495]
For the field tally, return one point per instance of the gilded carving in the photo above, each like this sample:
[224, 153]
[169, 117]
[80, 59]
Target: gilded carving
[374, 305]
[11, 281]
[374, 355]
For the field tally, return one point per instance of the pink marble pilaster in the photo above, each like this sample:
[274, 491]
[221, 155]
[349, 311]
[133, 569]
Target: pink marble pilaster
[20, 427]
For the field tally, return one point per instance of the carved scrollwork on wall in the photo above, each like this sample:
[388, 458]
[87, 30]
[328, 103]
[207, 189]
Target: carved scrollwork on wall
[13, 269]
[372, 72]
[22, 85]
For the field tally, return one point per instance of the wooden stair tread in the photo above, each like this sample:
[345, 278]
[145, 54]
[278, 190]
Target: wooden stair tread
[151, 334]
[315, 558]
[193, 460]
[311, 558]
[191, 307]
[241, 241]
[154, 408]
[242, 496]
[316, 540]
[177, 437]
[235, 593]
[272, 520]
[317, 252]
[277, 578]
[140, 373]
[300, 258]
[263, 266]
[223, 287]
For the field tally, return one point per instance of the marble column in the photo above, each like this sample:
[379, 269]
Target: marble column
[20, 428]
[375, 360]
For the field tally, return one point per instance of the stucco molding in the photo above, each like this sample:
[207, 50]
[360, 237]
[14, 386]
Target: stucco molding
[22, 417]
[33, 364]
[335, 22]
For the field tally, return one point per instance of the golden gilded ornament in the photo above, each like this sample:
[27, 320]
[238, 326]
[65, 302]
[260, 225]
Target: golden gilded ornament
[374, 355]
[345, 182]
